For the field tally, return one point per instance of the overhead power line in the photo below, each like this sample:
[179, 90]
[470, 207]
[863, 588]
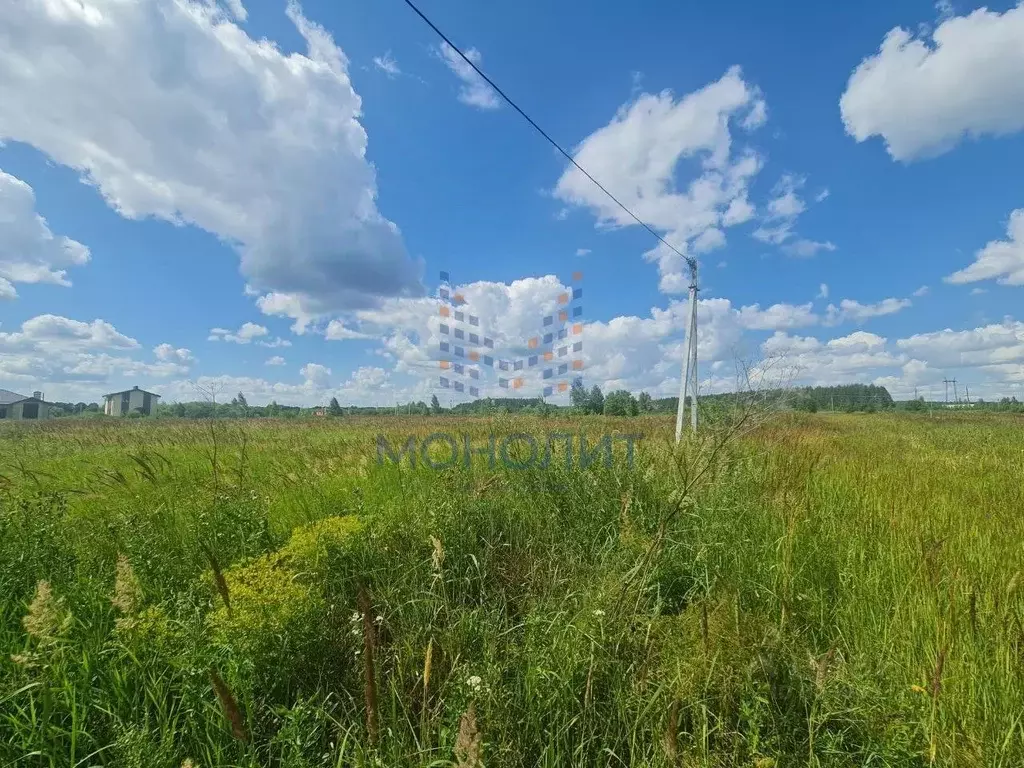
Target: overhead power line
[690, 261]
[689, 375]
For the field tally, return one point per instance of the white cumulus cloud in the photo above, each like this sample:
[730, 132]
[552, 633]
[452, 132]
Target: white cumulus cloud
[850, 310]
[387, 65]
[273, 343]
[999, 260]
[779, 222]
[55, 332]
[337, 331]
[316, 376]
[166, 353]
[996, 344]
[923, 97]
[474, 91]
[76, 361]
[172, 111]
[29, 251]
[244, 335]
[637, 157]
[804, 249]
[777, 316]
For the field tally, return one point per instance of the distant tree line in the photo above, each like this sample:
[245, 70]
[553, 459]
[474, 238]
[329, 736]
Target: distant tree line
[1007, 404]
[846, 398]
[1003, 405]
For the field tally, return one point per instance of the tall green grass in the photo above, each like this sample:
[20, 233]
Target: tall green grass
[816, 591]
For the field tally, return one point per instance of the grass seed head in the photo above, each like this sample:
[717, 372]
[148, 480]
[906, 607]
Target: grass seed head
[47, 618]
[670, 741]
[437, 557]
[230, 706]
[469, 747]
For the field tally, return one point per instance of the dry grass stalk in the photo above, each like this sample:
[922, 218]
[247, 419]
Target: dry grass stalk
[370, 678]
[127, 590]
[469, 748]
[485, 486]
[822, 667]
[437, 557]
[671, 738]
[428, 661]
[935, 686]
[230, 706]
[218, 577]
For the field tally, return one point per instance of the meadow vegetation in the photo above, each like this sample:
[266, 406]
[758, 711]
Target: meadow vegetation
[826, 590]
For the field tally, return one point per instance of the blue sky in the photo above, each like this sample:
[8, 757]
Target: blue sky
[260, 196]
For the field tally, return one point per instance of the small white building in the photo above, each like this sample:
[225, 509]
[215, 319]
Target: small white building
[17, 407]
[129, 401]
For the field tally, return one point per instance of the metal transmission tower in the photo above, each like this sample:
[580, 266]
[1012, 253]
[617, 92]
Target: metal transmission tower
[688, 384]
[947, 382]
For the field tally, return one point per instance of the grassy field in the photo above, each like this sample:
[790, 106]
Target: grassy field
[819, 590]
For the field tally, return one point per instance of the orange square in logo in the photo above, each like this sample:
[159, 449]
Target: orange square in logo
[577, 329]
[563, 316]
[445, 364]
[577, 275]
[474, 356]
[532, 343]
[562, 386]
[563, 298]
[577, 365]
[445, 312]
[548, 355]
[517, 383]
[458, 298]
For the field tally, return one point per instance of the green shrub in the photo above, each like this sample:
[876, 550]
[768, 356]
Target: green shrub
[276, 629]
[318, 547]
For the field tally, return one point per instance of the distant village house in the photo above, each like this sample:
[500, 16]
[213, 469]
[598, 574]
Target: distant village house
[129, 401]
[23, 408]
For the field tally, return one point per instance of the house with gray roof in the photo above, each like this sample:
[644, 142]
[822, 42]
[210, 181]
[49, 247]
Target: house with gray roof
[15, 407]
